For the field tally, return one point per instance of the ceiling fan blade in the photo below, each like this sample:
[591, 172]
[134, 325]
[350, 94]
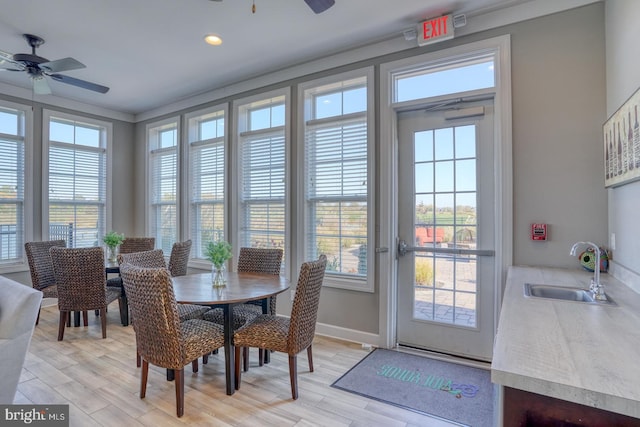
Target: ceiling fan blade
[319, 6]
[7, 62]
[40, 86]
[64, 64]
[80, 83]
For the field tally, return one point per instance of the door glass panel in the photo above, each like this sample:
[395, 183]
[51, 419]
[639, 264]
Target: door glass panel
[445, 217]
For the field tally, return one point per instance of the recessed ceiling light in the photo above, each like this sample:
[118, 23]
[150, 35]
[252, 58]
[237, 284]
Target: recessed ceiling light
[213, 39]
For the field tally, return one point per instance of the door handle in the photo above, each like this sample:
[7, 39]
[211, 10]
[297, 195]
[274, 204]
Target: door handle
[403, 248]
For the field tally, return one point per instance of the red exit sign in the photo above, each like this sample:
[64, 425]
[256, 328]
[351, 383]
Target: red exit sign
[435, 30]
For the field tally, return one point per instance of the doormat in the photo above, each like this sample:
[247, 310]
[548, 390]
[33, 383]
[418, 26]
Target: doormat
[456, 393]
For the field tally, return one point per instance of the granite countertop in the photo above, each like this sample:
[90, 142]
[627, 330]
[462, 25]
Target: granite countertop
[582, 353]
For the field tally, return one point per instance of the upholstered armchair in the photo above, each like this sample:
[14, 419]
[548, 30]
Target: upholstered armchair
[19, 307]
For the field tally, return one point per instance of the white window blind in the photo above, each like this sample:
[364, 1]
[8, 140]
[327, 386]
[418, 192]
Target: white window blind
[262, 175]
[207, 178]
[163, 184]
[336, 176]
[77, 181]
[12, 184]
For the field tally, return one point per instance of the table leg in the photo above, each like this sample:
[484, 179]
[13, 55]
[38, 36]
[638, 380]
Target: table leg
[266, 303]
[229, 355]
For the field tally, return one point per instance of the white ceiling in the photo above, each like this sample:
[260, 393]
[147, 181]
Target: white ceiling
[151, 52]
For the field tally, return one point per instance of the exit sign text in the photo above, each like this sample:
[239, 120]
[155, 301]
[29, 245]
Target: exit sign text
[435, 29]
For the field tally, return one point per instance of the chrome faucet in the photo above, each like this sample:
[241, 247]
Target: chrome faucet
[596, 288]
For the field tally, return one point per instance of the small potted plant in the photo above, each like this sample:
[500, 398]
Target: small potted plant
[218, 253]
[113, 240]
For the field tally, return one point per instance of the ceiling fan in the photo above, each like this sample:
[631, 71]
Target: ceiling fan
[318, 6]
[38, 67]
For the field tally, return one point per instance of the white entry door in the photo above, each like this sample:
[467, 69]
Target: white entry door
[446, 273]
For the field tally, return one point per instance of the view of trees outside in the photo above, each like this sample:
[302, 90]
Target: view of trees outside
[445, 217]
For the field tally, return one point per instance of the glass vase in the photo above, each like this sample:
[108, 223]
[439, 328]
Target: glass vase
[218, 278]
[113, 253]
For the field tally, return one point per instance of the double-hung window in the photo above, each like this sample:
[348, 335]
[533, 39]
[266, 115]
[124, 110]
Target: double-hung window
[75, 159]
[337, 178]
[15, 120]
[162, 184]
[207, 195]
[262, 175]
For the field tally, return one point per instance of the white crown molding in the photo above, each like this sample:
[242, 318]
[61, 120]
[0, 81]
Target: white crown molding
[56, 101]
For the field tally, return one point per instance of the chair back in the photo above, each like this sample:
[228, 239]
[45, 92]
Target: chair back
[137, 244]
[179, 259]
[154, 308]
[147, 259]
[80, 278]
[40, 265]
[304, 312]
[260, 260]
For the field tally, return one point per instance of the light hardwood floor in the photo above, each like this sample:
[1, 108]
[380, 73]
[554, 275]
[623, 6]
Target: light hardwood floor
[99, 380]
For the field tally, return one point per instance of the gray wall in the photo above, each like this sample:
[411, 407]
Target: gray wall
[623, 79]
[558, 73]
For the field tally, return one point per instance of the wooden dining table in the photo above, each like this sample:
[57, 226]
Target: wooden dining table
[239, 288]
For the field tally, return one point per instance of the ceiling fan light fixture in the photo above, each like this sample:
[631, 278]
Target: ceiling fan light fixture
[213, 39]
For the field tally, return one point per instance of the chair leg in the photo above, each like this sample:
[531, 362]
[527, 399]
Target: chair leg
[237, 367]
[245, 358]
[194, 365]
[123, 304]
[180, 392]
[103, 320]
[310, 357]
[64, 318]
[38, 318]
[143, 380]
[85, 318]
[138, 359]
[260, 357]
[293, 375]
[205, 359]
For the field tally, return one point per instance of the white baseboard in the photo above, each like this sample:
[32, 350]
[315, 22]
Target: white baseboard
[351, 335]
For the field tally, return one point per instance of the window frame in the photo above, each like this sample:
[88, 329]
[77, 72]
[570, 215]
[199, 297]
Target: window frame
[149, 226]
[20, 263]
[338, 280]
[107, 128]
[188, 183]
[240, 122]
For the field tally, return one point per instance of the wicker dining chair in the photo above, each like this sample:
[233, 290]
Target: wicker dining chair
[161, 338]
[250, 260]
[179, 258]
[41, 267]
[79, 274]
[155, 259]
[128, 246]
[289, 335]
[131, 245]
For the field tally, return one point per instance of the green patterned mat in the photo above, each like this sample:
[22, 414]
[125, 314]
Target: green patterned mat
[461, 394]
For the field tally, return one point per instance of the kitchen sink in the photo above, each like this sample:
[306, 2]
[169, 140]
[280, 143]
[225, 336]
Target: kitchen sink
[564, 293]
